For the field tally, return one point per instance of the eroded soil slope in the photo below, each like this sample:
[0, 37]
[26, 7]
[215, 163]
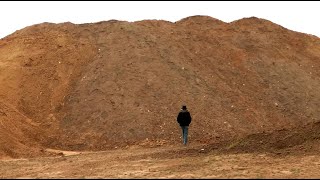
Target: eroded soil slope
[116, 83]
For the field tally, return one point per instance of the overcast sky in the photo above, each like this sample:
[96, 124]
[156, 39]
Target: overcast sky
[301, 16]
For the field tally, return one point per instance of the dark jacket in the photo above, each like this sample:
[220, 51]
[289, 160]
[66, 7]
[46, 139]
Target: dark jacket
[184, 118]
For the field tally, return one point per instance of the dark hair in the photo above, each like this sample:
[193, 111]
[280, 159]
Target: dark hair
[184, 107]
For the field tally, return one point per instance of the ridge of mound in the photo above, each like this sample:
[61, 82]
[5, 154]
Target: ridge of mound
[19, 135]
[304, 138]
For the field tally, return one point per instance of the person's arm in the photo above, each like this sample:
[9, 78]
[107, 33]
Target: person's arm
[179, 118]
[189, 118]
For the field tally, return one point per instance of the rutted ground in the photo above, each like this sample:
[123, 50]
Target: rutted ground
[164, 162]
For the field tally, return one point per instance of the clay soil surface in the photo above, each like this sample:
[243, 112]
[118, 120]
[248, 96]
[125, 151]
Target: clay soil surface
[100, 100]
[164, 162]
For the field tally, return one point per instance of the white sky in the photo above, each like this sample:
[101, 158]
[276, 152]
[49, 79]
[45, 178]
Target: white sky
[301, 16]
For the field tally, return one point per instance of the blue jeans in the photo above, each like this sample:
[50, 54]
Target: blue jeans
[185, 134]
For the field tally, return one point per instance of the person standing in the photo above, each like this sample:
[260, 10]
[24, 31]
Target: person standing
[184, 120]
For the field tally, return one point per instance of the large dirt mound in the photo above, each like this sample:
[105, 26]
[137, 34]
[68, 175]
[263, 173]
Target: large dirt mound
[116, 83]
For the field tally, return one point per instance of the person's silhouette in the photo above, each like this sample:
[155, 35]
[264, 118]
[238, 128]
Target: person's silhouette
[184, 120]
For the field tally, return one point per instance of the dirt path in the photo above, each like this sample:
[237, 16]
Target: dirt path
[163, 162]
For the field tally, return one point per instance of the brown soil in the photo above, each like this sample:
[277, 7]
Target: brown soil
[251, 86]
[163, 162]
